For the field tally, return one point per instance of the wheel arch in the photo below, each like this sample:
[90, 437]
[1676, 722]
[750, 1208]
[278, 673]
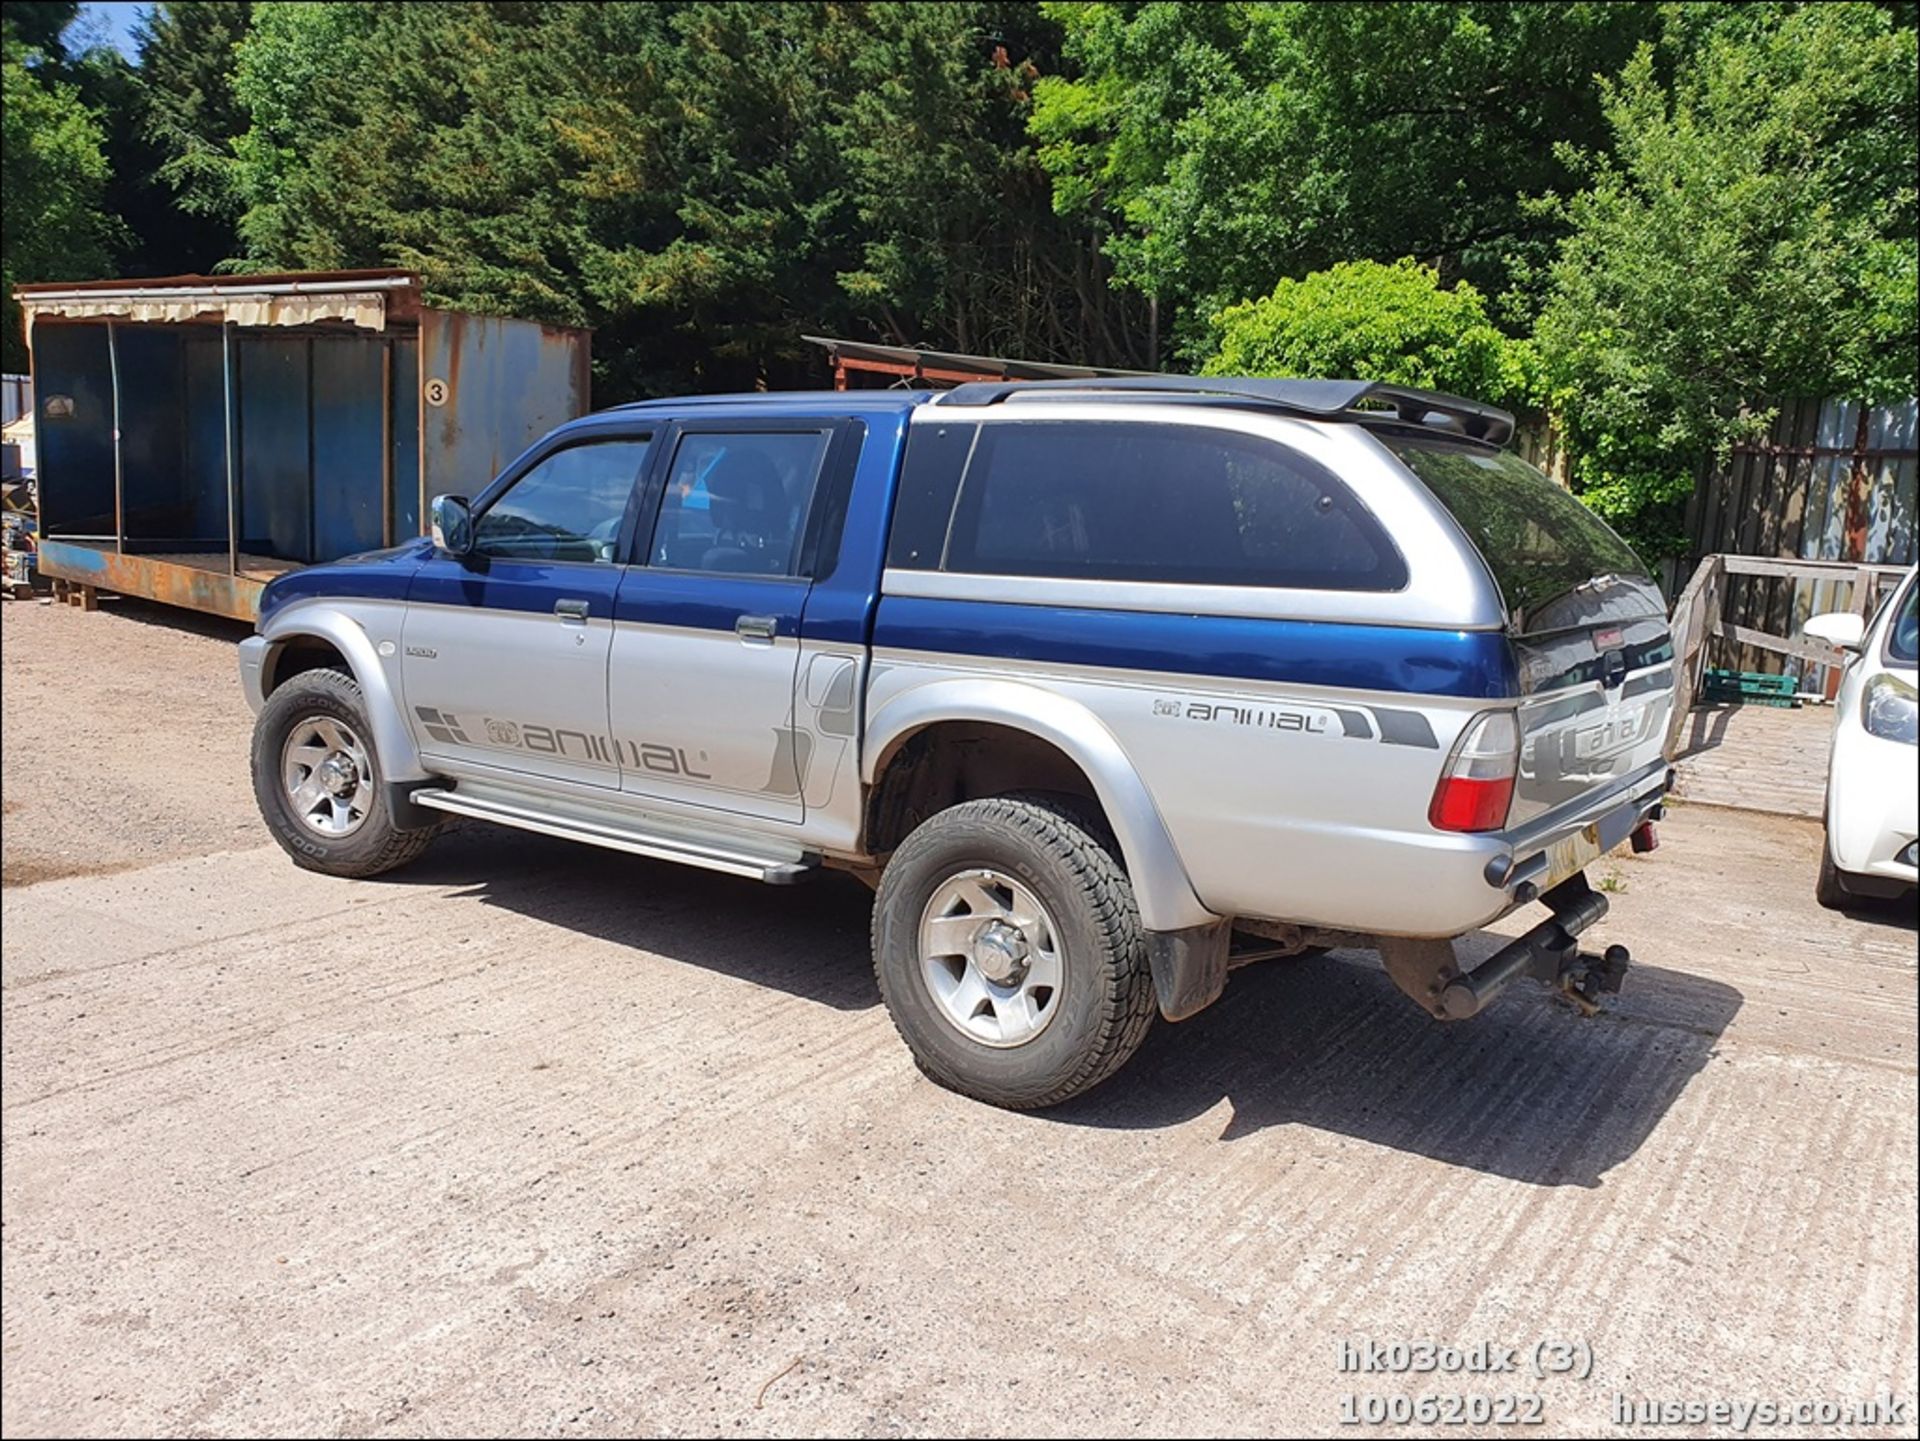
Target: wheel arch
[1161, 888]
[306, 635]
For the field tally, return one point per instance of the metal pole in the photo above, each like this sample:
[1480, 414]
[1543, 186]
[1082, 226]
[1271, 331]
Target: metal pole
[233, 489]
[386, 442]
[421, 516]
[119, 487]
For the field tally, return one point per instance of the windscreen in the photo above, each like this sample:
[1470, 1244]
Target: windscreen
[1541, 544]
[1903, 637]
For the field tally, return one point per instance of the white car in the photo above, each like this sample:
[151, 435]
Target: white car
[1872, 777]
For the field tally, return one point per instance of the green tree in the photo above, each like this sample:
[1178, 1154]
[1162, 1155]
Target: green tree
[191, 117]
[1230, 146]
[702, 183]
[1367, 321]
[53, 172]
[959, 245]
[1750, 238]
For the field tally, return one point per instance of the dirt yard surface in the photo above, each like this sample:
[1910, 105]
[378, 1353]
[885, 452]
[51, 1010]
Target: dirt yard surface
[536, 1138]
[125, 742]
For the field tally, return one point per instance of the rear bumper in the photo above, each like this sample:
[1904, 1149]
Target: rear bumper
[1429, 884]
[1538, 856]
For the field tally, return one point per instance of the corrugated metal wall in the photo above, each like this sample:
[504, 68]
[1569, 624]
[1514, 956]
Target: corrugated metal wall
[492, 387]
[1832, 481]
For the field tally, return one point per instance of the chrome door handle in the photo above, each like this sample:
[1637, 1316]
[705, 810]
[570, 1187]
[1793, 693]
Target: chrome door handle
[757, 629]
[573, 612]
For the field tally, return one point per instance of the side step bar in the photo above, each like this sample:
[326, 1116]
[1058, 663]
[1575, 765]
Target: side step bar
[774, 870]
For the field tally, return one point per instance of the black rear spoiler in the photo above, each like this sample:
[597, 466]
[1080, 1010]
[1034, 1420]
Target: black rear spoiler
[1344, 400]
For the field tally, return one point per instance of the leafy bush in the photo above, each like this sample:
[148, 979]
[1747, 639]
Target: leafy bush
[1370, 321]
[1750, 240]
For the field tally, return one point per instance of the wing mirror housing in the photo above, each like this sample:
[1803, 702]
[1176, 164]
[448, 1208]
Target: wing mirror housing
[1841, 629]
[453, 525]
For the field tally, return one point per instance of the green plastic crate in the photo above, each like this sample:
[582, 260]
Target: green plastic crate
[1751, 687]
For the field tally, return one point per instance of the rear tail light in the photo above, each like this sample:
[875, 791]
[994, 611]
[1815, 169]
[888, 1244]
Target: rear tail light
[1476, 788]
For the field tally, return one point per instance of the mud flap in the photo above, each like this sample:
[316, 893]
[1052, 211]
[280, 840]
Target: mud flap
[1189, 967]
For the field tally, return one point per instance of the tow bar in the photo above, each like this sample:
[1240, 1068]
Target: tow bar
[1550, 952]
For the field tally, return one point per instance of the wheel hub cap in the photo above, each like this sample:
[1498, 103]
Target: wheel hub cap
[339, 775]
[327, 776]
[990, 958]
[1000, 951]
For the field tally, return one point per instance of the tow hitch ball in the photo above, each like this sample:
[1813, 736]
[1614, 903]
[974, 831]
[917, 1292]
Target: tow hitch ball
[1550, 952]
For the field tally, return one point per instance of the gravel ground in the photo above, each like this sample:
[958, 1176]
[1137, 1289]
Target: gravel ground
[532, 1138]
[125, 739]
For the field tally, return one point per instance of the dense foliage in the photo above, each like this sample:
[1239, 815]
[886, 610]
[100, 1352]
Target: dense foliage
[702, 183]
[1381, 322]
[1233, 145]
[1750, 235]
[1657, 220]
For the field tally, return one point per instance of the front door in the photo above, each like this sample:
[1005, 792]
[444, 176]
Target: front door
[706, 634]
[505, 649]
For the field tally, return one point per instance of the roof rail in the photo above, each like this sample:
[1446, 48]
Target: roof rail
[1314, 399]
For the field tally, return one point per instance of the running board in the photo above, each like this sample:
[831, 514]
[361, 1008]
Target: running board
[774, 870]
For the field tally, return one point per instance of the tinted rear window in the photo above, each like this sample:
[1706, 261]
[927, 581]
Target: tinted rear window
[1539, 542]
[1116, 501]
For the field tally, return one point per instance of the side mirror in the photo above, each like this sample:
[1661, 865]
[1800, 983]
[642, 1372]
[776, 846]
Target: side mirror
[452, 524]
[1840, 629]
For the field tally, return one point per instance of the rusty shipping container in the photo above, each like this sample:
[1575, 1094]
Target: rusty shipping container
[198, 436]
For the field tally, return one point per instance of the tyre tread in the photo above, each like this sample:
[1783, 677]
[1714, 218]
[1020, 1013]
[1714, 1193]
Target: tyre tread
[1128, 1007]
[395, 849]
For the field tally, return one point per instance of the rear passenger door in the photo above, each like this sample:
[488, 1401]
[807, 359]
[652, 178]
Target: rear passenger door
[706, 624]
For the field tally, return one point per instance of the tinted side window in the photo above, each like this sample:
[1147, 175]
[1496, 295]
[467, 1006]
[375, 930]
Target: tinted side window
[568, 507]
[929, 479]
[1168, 503]
[735, 501]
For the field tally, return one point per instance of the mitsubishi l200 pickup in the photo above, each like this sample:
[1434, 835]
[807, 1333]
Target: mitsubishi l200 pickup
[1105, 686]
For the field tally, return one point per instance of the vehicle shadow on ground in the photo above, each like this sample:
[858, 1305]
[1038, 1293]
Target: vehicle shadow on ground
[1895, 913]
[1530, 1090]
[809, 940]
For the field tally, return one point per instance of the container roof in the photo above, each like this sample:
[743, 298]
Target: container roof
[219, 282]
[366, 299]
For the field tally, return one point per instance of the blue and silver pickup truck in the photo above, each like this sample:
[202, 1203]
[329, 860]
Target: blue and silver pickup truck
[1106, 686]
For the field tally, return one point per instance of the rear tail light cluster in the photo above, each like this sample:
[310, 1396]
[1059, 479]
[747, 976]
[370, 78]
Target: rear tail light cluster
[1476, 788]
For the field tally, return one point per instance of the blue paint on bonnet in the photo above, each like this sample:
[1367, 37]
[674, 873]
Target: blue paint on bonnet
[372, 575]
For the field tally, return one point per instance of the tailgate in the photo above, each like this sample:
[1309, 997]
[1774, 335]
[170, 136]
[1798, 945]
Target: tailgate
[1588, 626]
[1596, 713]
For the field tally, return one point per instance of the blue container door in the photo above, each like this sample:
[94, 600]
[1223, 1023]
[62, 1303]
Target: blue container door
[406, 439]
[348, 425]
[276, 487]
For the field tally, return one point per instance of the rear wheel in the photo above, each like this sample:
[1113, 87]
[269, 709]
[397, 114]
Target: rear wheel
[316, 778]
[1010, 955]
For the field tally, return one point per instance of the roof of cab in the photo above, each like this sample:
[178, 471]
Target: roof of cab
[849, 401]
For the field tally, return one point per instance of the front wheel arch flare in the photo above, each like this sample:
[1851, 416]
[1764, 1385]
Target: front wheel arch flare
[392, 736]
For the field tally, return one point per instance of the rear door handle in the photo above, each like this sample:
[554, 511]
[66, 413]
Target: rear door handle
[757, 629]
[573, 612]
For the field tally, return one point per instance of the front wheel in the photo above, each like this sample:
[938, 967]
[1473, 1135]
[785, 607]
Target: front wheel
[1009, 952]
[1830, 887]
[316, 778]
